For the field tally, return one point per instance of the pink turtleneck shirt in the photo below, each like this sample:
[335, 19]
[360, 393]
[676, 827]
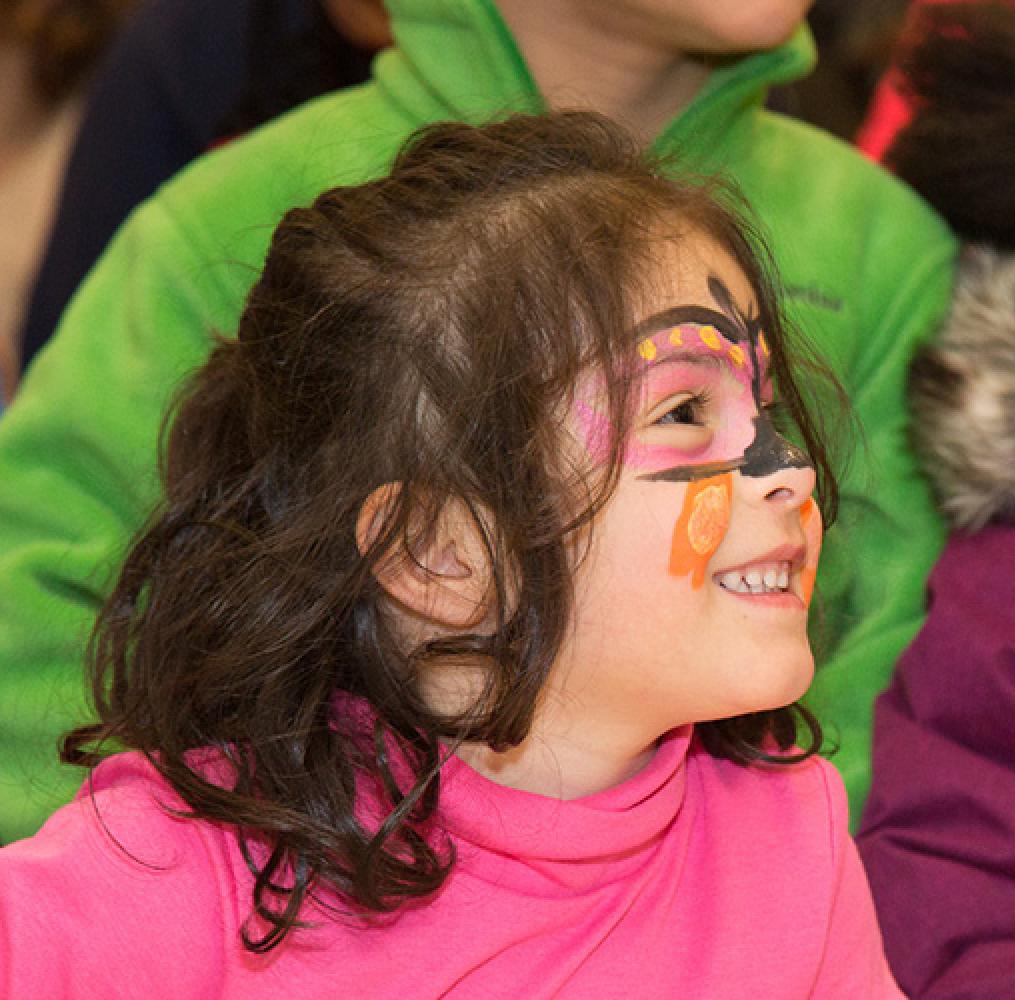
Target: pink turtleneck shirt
[696, 878]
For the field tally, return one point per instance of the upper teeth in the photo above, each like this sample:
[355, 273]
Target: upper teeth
[758, 579]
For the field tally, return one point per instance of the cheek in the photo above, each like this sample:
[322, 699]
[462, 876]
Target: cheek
[701, 527]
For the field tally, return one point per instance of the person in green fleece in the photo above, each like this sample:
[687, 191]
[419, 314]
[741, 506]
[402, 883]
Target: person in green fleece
[867, 269]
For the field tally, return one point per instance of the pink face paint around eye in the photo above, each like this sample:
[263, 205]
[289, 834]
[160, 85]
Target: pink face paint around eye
[689, 357]
[730, 412]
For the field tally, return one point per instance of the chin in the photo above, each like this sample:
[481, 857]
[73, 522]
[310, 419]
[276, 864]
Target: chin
[797, 683]
[788, 686]
[765, 26]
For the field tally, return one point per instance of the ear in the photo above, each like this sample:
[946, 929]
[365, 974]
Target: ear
[444, 581]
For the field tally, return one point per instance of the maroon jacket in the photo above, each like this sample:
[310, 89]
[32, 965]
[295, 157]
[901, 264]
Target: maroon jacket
[938, 831]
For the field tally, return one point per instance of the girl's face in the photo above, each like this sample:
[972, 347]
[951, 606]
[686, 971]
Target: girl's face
[691, 604]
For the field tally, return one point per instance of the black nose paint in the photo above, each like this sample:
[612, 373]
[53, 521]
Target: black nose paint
[770, 452]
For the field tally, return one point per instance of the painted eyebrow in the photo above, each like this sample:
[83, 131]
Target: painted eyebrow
[701, 315]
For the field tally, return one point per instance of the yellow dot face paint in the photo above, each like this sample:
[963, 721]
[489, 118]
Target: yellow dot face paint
[647, 350]
[736, 354]
[701, 527]
[709, 336]
[676, 338]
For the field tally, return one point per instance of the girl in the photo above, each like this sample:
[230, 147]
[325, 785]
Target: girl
[456, 662]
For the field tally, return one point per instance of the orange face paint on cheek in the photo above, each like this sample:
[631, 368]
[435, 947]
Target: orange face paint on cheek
[701, 526]
[810, 521]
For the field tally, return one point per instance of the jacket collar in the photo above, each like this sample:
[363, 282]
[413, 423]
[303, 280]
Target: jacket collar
[456, 59]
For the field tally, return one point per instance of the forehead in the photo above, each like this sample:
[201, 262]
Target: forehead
[679, 272]
[698, 304]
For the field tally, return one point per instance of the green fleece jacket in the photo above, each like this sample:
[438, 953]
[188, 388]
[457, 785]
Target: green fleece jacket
[867, 267]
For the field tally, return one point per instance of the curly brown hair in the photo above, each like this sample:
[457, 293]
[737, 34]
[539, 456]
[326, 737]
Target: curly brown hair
[422, 329]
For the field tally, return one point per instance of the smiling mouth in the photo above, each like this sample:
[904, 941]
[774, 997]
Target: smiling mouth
[760, 578]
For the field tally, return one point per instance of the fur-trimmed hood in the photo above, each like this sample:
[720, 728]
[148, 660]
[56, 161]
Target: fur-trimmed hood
[962, 391]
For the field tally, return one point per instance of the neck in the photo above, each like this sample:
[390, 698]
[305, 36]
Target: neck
[578, 759]
[583, 61]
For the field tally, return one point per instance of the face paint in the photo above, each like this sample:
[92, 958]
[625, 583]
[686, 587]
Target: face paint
[741, 343]
[657, 638]
[810, 521]
[701, 527]
[689, 353]
[699, 378]
[689, 359]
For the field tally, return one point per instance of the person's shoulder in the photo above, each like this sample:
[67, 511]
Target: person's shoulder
[850, 186]
[803, 801]
[210, 225]
[856, 248]
[769, 837]
[343, 137]
[113, 871]
[131, 817]
[222, 208]
[129, 822]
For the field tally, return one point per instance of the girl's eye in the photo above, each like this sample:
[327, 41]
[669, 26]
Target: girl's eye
[687, 411]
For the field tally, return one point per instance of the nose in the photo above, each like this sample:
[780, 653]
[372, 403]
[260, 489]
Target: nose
[787, 486]
[775, 469]
[790, 486]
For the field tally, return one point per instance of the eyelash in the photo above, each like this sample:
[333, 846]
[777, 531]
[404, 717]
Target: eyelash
[698, 404]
